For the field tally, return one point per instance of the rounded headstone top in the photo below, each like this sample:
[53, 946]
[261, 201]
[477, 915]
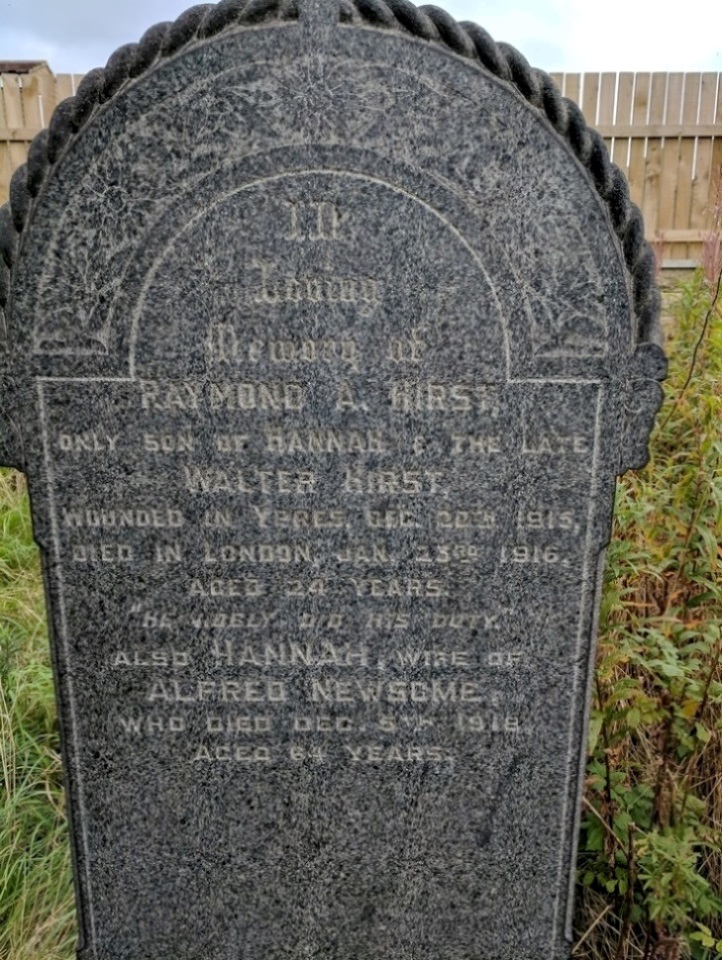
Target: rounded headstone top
[430, 24]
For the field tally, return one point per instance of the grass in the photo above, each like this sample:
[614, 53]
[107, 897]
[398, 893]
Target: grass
[651, 845]
[37, 914]
[650, 863]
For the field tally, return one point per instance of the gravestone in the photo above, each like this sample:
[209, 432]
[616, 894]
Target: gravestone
[327, 329]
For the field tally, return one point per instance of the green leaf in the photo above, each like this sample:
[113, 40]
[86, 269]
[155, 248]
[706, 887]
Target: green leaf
[702, 732]
[701, 598]
[595, 728]
[704, 938]
[634, 718]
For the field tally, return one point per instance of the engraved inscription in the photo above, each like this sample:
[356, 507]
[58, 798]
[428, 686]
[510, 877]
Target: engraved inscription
[225, 344]
[312, 220]
[335, 499]
[197, 396]
[275, 288]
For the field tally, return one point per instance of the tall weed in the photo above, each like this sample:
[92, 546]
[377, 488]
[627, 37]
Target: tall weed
[650, 862]
[36, 902]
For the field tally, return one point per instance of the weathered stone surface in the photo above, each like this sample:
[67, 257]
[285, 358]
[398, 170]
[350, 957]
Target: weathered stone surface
[322, 356]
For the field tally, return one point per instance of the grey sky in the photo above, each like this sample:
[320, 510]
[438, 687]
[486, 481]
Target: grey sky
[571, 35]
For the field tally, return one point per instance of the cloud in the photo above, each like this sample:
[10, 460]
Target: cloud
[575, 35]
[570, 35]
[640, 36]
[77, 35]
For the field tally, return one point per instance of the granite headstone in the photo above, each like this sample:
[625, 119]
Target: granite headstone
[327, 329]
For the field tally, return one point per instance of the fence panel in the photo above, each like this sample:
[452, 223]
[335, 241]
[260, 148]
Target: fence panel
[27, 101]
[642, 85]
[706, 169]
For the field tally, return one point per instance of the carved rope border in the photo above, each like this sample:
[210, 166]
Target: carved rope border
[427, 23]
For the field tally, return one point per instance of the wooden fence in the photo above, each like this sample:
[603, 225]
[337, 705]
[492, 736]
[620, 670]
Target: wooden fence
[663, 129]
[27, 101]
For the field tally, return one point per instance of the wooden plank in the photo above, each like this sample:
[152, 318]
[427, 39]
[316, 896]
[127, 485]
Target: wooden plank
[693, 235]
[669, 162]
[14, 117]
[653, 154]
[717, 146]
[5, 172]
[620, 150]
[703, 175]
[13, 100]
[18, 155]
[47, 96]
[683, 202]
[558, 79]
[715, 188]
[590, 98]
[26, 105]
[678, 130]
[64, 87]
[572, 86]
[605, 115]
[638, 144]
[607, 95]
[24, 134]
[32, 113]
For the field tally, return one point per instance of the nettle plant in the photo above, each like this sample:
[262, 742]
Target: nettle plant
[650, 863]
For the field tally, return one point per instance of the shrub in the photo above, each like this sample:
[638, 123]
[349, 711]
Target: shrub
[650, 862]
